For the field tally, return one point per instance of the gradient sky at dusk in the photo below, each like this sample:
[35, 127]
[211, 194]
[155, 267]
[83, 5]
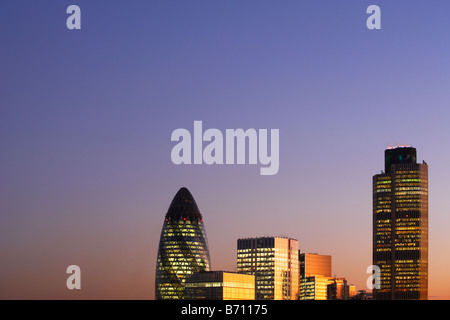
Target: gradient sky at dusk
[86, 117]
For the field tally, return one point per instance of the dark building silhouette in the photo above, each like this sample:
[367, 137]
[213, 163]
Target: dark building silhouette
[400, 226]
[362, 295]
[183, 247]
[399, 155]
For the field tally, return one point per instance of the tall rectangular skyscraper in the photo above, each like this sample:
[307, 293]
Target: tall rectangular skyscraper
[274, 262]
[400, 226]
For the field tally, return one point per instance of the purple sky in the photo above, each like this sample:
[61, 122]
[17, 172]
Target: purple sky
[86, 117]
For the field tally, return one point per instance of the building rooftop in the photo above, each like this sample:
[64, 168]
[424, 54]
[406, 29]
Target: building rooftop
[183, 205]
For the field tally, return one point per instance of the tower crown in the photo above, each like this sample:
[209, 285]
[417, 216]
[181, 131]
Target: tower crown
[183, 205]
[399, 155]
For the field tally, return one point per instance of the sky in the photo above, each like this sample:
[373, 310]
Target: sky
[86, 118]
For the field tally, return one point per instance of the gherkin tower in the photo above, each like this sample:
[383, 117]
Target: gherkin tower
[183, 247]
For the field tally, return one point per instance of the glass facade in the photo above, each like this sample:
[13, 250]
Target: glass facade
[400, 230]
[274, 262]
[183, 247]
[220, 285]
[325, 288]
[314, 264]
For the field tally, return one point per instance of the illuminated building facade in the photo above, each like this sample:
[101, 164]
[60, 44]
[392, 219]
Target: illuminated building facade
[314, 264]
[400, 226]
[338, 289]
[183, 247]
[274, 262]
[314, 288]
[220, 285]
[351, 290]
[319, 287]
[315, 270]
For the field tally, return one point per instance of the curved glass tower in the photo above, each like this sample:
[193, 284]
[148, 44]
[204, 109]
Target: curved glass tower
[183, 247]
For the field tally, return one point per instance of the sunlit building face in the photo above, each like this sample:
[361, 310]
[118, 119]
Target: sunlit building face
[312, 264]
[400, 226]
[317, 287]
[183, 247]
[220, 285]
[274, 262]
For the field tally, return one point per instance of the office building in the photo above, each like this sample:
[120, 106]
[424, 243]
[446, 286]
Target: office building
[274, 262]
[183, 247]
[314, 264]
[220, 285]
[317, 287]
[315, 270]
[339, 289]
[400, 226]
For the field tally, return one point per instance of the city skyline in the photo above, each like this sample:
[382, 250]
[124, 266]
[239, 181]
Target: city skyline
[86, 119]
